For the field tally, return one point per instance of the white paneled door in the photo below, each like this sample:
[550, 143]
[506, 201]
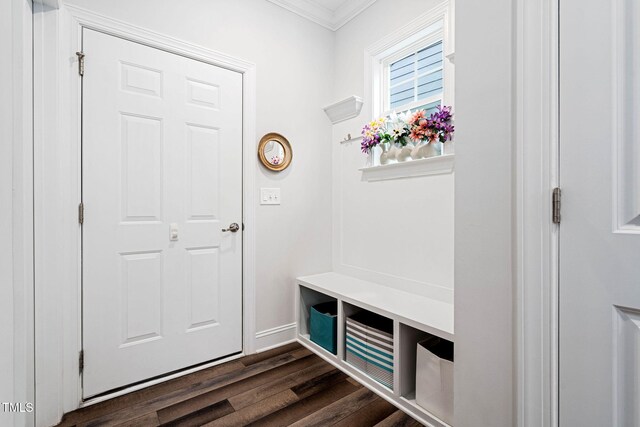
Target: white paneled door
[161, 179]
[599, 311]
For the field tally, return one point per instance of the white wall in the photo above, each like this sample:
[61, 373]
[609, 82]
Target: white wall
[16, 280]
[6, 214]
[294, 69]
[396, 232]
[484, 236]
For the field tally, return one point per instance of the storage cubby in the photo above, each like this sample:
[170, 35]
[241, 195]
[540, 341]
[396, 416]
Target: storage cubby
[409, 319]
[434, 377]
[426, 376]
[409, 339]
[369, 343]
[309, 298]
[346, 310]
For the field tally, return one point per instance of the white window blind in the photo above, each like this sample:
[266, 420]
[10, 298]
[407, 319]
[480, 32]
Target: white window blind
[417, 77]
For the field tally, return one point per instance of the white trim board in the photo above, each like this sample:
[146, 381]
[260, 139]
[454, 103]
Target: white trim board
[16, 210]
[536, 250]
[57, 36]
[331, 19]
[436, 165]
[275, 337]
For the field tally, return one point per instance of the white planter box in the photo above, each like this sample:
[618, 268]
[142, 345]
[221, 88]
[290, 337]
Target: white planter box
[434, 378]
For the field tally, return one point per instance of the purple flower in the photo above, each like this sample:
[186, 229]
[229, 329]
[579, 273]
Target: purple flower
[371, 135]
[439, 122]
[369, 142]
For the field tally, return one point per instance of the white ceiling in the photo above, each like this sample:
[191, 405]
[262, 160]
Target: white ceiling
[331, 14]
[331, 4]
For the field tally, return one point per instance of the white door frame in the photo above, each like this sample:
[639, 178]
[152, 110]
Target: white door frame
[57, 179]
[536, 166]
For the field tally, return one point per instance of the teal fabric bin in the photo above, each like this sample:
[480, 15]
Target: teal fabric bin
[323, 325]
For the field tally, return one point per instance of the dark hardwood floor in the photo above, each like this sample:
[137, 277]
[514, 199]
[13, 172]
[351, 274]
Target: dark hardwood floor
[281, 387]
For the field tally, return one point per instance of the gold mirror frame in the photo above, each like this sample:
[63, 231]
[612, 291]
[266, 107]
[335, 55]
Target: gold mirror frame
[288, 154]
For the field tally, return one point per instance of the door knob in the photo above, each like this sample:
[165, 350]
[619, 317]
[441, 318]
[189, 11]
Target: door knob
[232, 228]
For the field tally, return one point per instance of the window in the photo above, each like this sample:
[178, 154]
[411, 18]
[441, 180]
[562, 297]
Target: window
[412, 68]
[416, 79]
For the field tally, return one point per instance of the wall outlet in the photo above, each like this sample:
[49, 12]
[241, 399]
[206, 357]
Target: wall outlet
[269, 196]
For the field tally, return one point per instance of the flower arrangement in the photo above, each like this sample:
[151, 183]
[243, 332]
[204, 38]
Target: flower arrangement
[372, 134]
[397, 130]
[436, 127]
[409, 127]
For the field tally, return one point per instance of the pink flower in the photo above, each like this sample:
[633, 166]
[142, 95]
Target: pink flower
[417, 116]
[436, 127]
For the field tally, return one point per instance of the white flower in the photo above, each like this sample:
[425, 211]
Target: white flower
[397, 125]
[397, 130]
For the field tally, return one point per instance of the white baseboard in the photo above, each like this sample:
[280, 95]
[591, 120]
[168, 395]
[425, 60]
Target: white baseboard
[275, 337]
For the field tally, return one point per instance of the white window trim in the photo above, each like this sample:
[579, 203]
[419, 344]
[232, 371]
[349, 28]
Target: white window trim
[437, 165]
[425, 28]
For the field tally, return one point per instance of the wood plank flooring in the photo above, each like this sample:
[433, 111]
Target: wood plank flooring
[285, 386]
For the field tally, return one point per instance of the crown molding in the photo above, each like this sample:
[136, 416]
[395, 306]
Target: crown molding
[331, 19]
[349, 10]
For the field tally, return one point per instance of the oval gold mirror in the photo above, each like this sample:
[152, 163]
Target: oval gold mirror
[275, 152]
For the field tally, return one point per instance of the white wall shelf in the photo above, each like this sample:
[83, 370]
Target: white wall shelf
[437, 165]
[343, 110]
[414, 317]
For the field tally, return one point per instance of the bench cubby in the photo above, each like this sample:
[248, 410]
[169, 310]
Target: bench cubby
[412, 318]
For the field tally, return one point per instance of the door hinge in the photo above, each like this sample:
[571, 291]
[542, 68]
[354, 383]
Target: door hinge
[555, 205]
[81, 213]
[81, 361]
[80, 63]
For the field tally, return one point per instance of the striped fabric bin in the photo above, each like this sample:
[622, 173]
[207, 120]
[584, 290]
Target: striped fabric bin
[369, 345]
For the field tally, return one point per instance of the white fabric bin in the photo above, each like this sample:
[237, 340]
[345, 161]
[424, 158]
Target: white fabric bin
[434, 377]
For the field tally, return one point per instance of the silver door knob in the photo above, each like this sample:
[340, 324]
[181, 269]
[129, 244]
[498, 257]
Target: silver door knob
[232, 228]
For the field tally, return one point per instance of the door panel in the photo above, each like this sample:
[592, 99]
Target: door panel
[162, 176]
[599, 253]
[141, 168]
[141, 283]
[204, 299]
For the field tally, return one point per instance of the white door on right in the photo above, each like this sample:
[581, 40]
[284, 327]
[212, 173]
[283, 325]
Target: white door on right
[599, 312]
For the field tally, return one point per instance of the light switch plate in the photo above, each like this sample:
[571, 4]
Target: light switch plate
[173, 232]
[269, 196]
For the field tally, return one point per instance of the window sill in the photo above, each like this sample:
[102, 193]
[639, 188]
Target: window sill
[438, 165]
